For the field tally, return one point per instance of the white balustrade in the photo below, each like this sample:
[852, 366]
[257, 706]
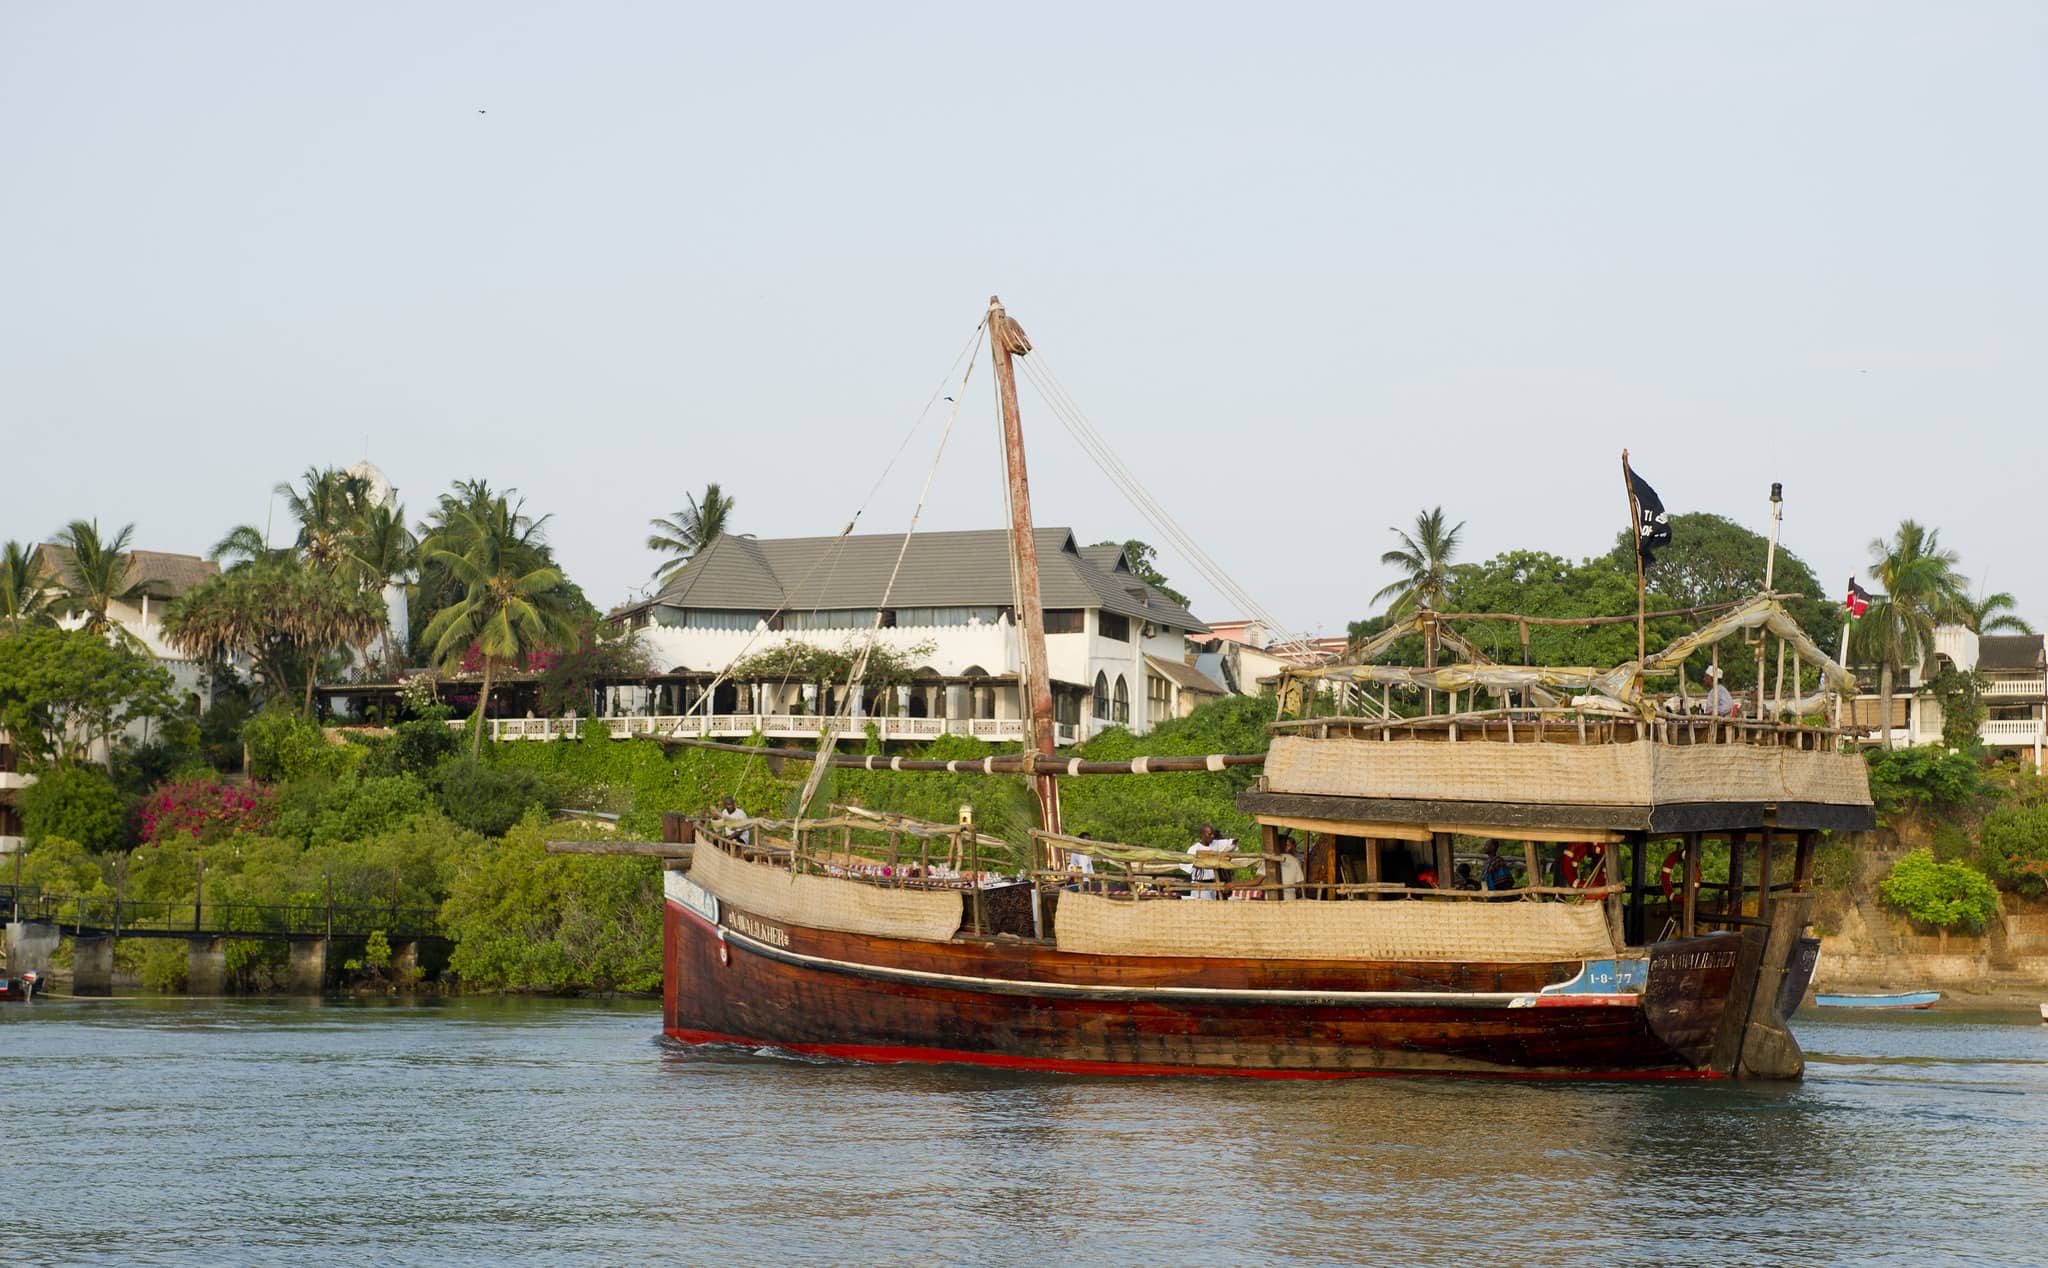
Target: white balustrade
[2008, 687]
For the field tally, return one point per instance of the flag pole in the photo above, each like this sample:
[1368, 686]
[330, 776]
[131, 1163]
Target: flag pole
[1635, 532]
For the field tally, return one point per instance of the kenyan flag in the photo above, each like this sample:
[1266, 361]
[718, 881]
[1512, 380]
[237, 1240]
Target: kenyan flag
[1858, 601]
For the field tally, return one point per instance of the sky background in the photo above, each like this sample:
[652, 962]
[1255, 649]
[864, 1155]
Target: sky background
[1308, 268]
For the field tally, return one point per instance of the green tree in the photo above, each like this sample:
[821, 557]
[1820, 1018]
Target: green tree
[514, 603]
[26, 596]
[2016, 846]
[63, 692]
[246, 545]
[1144, 566]
[328, 510]
[1997, 614]
[690, 530]
[382, 551]
[75, 803]
[1424, 560]
[1922, 589]
[95, 575]
[283, 616]
[1945, 895]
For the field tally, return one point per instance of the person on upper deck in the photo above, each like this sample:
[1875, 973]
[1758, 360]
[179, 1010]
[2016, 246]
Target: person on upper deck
[1496, 873]
[729, 810]
[1715, 699]
[1207, 842]
[1292, 872]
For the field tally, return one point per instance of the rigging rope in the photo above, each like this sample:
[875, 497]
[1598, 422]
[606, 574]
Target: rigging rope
[1070, 414]
[828, 734]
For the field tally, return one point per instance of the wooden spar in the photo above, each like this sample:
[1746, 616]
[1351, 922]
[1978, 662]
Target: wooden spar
[1009, 764]
[1635, 531]
[1006, 339]
[1770, 575]
[638, 849]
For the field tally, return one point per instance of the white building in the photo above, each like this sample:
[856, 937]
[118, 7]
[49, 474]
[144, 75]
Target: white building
[12, 781]
[153, 579]
[1115, 646]
[2014, 689]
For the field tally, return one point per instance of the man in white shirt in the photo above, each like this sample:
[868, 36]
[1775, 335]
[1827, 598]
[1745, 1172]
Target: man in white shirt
[1207, 842]
[729, 814]
[1716, 699]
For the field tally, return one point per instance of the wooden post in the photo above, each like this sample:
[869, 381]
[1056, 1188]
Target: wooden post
[198, 895]
[1638, 871]
[1372, 864]
[1532, 868]
[1269, 844]
[1802, 861]
[1731, 902]
[1006, 339]
[1635, 533]
[1690, 862]
[1763, 875]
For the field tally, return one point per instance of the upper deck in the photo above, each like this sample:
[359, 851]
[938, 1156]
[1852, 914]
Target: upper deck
[1561, 770]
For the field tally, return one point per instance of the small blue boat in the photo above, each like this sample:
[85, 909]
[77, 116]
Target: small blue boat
[1904, 999]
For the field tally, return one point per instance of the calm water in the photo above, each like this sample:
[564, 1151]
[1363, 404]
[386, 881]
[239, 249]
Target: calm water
[483, 1131]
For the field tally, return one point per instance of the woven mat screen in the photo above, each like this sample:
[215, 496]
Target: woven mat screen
[1443, 931]
[825, 902]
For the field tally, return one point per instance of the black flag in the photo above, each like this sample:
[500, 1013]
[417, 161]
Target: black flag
[1653, 526]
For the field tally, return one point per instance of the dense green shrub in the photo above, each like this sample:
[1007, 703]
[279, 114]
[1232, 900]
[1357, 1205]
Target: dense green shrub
[165, 964]
[78, 803]
[489, 799]
[284, 746]
[1945, 895]
[1924, 776]
[526, 919]
[422, 744]
[2016, 847]
[62, 868]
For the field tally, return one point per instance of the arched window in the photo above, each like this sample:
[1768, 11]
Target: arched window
[1123, 701]
[1102, 697]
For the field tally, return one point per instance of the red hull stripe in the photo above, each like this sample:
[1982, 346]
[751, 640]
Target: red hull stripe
[895, 1055]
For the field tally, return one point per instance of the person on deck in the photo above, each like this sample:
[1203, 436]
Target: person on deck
[1079, 866]
[1292, 871]
[729, 812]
[1495, 873]
[1207, 842]
[1715, 700]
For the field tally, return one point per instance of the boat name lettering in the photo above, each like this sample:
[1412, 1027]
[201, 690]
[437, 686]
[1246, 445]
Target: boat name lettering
[1689, 961]
[755, 928]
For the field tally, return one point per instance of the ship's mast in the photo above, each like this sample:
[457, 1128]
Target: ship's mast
[1007, 339]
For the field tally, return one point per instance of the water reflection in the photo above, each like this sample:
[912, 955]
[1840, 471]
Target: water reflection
[482, 1131]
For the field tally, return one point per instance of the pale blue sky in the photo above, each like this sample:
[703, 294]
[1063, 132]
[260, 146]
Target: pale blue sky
[1309, 267]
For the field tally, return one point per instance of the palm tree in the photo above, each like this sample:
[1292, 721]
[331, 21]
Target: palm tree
[381, 552]
[690, 530]
[98, 571]
[514, 602]
[329, 612]
[26, 596]
[328, 509]
[1921, 590]
[1997, 614]
[246, 545]
[1424, 559]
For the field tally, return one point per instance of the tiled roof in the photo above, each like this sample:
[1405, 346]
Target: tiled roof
[159, 574]
[1186, 676]
[2010, 653]
[966, 569]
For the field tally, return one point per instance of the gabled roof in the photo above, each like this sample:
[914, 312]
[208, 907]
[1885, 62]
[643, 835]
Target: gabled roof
[1186, 676]
[964, 569]
[157, 573]
[2010, 653]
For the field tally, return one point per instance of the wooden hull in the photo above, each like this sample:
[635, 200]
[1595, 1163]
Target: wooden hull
[742, 979]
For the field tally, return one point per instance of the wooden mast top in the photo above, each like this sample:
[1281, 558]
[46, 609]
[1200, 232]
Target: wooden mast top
[1006, 339]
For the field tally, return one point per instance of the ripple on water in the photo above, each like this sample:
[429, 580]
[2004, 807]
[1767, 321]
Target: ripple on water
[475, 1131]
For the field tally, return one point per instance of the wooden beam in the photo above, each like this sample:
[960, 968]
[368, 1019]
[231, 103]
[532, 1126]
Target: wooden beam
[635, 849]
